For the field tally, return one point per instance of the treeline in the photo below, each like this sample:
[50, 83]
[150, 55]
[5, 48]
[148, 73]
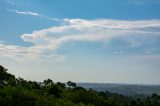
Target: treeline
[20, 92]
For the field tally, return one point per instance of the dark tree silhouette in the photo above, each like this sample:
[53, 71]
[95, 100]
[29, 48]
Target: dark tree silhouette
[48, 82]
[5, 77]
[71, 84]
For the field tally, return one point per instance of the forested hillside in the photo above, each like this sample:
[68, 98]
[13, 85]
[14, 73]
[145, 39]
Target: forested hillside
[124, 89]
[21, 92]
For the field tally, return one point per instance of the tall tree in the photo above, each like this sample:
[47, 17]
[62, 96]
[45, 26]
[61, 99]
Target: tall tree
[5, 77]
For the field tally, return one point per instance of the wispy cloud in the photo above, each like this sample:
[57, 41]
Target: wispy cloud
[1, 41]
[134, 43]
[11, 2]
[33, 14]
[25, 12]
[117, 52]
[91, 30]
[48, 40]
[23, 54]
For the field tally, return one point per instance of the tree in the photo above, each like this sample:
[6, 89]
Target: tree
[55, 91]
[5, 77]
[61, 85]
[71, 84]
[3, 73]
[48, 82]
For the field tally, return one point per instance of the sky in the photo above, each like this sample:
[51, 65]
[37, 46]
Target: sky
[100, 41]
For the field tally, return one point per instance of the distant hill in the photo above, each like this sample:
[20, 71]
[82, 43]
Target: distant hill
[125, 89]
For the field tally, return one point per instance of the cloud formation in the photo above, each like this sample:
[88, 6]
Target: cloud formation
[33, 14]
[48, 40]
[24, 12]
[91, 30]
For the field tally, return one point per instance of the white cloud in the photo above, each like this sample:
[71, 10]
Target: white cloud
[33, 14]
[25, 12]
[48, 40]
[14, 51]
[91, 30]
[23, 54]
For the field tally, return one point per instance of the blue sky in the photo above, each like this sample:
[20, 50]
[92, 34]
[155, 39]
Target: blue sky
[106, 41]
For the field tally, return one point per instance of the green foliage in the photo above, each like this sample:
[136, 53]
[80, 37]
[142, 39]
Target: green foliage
[6, 78]
[20, 92]
[71, 84]
[16, 96]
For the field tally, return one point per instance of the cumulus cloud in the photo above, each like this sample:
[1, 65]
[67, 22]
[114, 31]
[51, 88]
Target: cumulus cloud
[48, 40]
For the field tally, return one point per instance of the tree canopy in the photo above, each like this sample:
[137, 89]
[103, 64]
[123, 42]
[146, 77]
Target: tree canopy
[21, 92]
